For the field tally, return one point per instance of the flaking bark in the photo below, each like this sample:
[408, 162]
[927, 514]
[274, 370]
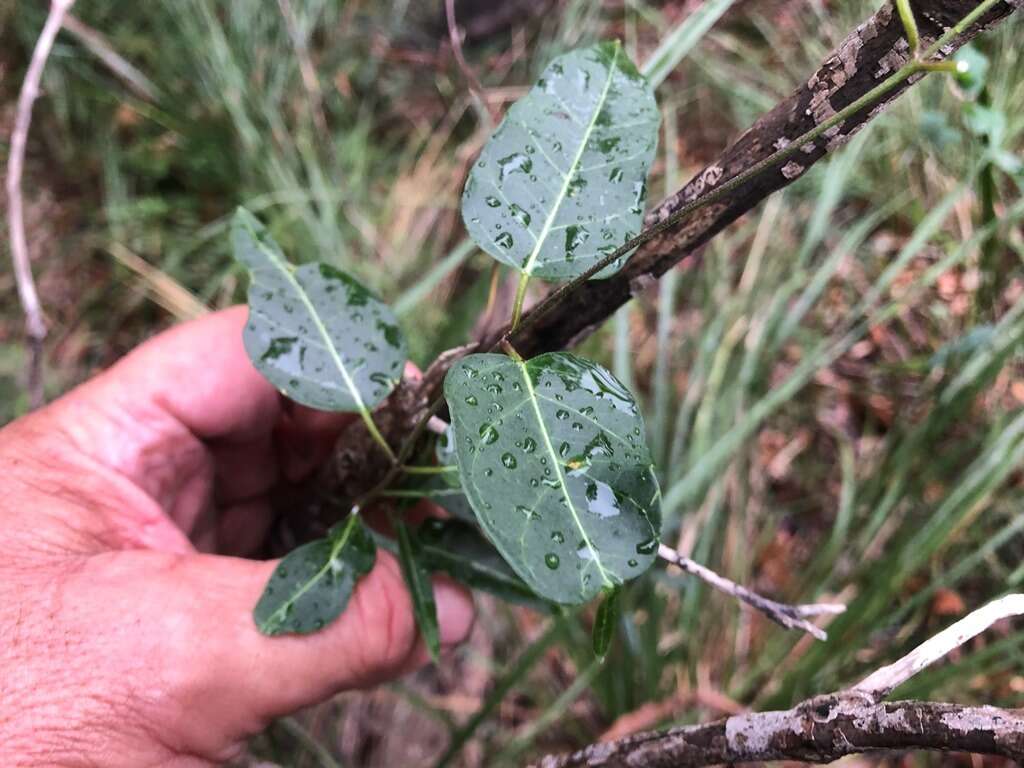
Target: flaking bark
[818, 730]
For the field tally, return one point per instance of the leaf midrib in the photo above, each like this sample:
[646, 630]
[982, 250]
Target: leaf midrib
[320, 327]
[567, 178]
[336, 549]
[562, 484]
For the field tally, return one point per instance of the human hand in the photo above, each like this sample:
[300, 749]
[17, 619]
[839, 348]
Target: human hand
[123, 640]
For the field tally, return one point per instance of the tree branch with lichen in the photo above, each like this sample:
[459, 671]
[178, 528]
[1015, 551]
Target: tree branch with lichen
[828, 727]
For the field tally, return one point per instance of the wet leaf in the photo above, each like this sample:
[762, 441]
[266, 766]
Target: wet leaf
[311, 586]
[552, 457]
[459, 549]
[421, 590]
[607, 617]
[313, 331]
[562, 182]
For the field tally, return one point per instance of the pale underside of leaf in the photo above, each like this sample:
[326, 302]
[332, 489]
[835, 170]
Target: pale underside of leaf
[553, 461]
[313, 331]
[561, 184]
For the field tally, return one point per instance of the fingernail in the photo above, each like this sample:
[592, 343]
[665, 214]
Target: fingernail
[455, 612]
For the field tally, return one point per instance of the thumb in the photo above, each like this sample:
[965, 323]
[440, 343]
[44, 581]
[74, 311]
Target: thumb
[241, 679]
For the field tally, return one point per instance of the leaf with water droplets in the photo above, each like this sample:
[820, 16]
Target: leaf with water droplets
[421, 590]
[562, 182]
[458, 549]
[311, 586]
[576, 510]
[313, 331]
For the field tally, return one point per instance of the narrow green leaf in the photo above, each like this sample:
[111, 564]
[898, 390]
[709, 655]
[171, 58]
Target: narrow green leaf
[562, 182]
[552, 457]
[460, 550]
[313, 331]
[607, 617]
[421, 590]
[311, 586]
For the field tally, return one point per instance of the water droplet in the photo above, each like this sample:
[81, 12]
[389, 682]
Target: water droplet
[471, 400]
[381, 380]
[632, 563]
[558, 537]
[561, 414]
[601, 500]
[529, 445]
[517, 161]
[647, 547]
[488, 433]
[563, 450]
[551, 561]
[575, 236]
[520, 215]
[504, 240]
[492, 201]
[494, 389]
[508, 460]
[278, 347]
[575, 186]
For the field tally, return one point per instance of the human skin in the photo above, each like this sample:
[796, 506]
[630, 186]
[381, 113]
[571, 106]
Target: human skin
[124, 639]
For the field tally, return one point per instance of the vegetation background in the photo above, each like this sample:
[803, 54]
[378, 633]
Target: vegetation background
[834, 392]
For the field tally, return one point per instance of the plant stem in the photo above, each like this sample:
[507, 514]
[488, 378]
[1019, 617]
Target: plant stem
[517, 308]
[409, 470]
[909, 24]
[378, 438]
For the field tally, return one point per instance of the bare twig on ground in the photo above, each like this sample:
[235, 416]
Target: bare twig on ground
[826, 728]
[789, 616]
[35, 325]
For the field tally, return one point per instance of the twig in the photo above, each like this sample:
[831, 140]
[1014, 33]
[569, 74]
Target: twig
[826, 728]
[789, 616]
[35, 325]
[881, 683]
[475, 87]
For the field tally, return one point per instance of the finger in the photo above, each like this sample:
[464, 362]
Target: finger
[150, 415]
[250, 679]
[201, 375]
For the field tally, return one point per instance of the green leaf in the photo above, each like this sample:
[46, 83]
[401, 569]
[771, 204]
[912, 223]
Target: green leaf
[311, 586]
[313, 331]
[553, 459]
[607, 617]
[562, 182]
[421, 590]
[460, 550]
